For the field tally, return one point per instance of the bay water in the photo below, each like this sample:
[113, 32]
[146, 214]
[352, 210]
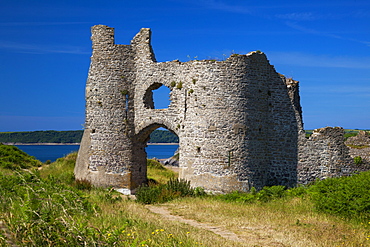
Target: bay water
[53, 152]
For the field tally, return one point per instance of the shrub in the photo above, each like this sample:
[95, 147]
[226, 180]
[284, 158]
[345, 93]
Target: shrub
[124, 92]
[270, 193]
[166, 192]
[181, 186]
[357, 160]
[344, 196]
[237, 196]
[82, 184]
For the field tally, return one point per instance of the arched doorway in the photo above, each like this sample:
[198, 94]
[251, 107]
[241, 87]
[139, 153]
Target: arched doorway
[161, 145]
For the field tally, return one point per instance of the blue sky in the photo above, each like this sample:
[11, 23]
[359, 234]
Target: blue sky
[45, 51]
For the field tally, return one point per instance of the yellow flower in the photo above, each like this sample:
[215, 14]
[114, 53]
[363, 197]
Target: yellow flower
[109, 234]
[162, 230]
[187, 232]
[128, 234]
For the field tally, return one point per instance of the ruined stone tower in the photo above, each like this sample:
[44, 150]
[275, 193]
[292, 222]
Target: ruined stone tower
[238, 120]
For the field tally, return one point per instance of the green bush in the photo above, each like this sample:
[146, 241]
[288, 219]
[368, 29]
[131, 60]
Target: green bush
[173, 189]
[345, 196]
[237, 196]
[357, 160]
[270, 193]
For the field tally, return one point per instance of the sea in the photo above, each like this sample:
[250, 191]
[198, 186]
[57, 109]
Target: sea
[53, 152]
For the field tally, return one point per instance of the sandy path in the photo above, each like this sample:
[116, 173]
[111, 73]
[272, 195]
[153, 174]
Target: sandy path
[217, 230]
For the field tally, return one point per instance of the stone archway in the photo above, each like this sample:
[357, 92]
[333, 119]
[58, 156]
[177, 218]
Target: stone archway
[143, 137]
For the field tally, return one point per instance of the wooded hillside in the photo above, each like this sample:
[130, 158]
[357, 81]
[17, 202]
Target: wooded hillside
[73, 136]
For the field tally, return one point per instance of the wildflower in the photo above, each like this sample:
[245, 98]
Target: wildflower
[162, 230]
[187, 232]
[109, 234]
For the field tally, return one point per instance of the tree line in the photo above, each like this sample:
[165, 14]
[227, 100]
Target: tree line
[72, 136]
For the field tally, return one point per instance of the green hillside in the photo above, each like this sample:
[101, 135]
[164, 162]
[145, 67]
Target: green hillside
[73, 136]
[49, 136]
[13, 158]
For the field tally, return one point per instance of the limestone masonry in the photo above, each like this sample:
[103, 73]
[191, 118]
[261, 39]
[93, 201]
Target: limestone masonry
[239, 122]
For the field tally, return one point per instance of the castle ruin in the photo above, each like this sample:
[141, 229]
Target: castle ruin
[239, 122]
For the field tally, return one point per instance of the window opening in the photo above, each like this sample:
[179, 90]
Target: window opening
[126, 105]
[157, 96]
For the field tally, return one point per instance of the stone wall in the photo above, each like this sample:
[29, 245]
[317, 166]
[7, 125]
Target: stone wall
[359, 146]
[239, 122]
[324, 154]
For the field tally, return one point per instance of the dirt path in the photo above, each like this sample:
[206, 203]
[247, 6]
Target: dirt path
[217, 230]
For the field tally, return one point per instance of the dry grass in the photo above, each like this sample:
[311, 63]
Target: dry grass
[278, 223]
[157, 172]
[151, 227]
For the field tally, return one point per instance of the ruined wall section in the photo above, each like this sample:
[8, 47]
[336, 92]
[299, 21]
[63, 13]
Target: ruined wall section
[359, 146]
[221, 101]
[223, 114]
[293, 91]
[109, 116]
[283, 128]
[324, 155]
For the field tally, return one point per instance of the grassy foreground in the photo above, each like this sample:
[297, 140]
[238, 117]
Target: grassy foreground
[46, 207]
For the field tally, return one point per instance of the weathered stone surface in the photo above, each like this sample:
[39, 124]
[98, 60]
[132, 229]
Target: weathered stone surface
[239, 122]
[360, 146]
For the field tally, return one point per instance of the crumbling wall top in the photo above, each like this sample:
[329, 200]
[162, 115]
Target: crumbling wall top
[334, 132]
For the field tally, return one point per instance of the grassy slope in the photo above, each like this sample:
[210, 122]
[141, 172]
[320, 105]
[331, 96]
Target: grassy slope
[105, 217]
[292, 222]
[12, 158]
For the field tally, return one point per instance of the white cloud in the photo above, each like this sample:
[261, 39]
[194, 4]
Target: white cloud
[11, 24]
[303, 29]
[219, 5]
[41, 49]
[303, 16]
